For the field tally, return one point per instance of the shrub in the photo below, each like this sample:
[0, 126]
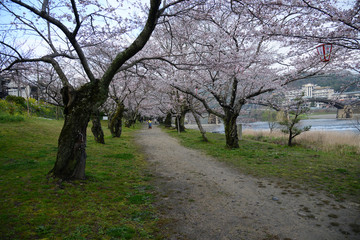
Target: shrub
[11, 107]
[4, 106]
[10, 118]
[18, 106]
[17, 100]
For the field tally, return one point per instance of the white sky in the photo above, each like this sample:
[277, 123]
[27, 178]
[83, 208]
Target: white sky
[29, 42]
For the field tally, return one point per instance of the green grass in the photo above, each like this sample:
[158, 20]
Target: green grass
[115, 202]
[336, 172]
[4, 117]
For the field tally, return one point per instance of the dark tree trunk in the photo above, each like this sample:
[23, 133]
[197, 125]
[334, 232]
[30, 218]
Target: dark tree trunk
[290, 138]
[180, 120]
[71, 155]
[180, 123]
[131, 118]
[129, 123]
[116, 120]
[160, 120]
[231, 135]
[96, 128]
[167, 121]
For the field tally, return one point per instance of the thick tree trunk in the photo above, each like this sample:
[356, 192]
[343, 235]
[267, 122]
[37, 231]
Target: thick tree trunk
[116, 120]
[180, 120]
[180, 123]
[130, 118]
[96, 128]
[117, 128]
[160, 120]
[231, 135]
[128, 123]
[71, 155]
[167, 121]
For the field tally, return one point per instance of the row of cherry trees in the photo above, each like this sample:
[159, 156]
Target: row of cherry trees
[228, 53]
[169, 59]
[66, 31]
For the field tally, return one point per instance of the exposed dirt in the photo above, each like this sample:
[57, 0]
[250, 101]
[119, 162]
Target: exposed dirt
[201, 198]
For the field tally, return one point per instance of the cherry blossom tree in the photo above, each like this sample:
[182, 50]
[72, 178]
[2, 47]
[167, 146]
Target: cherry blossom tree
[64, 29]
[160, 101]
[228, 58]
[196, 110]
[116, 117]
[290, 122]
[333, 21]
[163, 99]
[49, 84]
[312, 22]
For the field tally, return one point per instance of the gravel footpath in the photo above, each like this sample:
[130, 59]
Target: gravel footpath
[201, 198]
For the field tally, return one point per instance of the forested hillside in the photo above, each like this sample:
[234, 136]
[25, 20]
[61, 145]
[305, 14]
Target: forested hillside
[336, 81]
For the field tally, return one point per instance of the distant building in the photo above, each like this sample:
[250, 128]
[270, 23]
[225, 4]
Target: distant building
[10, 87]
[3, 87]
[349, 95]
[310, 91]
[307, 89]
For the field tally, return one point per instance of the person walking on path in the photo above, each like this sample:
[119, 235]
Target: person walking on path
[150, 123]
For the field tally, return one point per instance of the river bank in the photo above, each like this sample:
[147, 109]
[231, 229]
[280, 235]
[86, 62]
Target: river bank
[322, 116]
[325, 134]
[323, 122]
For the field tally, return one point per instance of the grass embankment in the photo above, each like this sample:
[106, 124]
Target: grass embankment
[115, 202]
[336, 171]
[317, 140]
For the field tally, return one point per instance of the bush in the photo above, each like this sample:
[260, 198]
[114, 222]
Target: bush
[17, 100]
[11, 118]
[18, 106]
[10, 107]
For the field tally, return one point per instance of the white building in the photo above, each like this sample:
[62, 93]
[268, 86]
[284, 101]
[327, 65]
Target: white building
[307, 89]
[18, 89]
[310, 91]
[315, 91]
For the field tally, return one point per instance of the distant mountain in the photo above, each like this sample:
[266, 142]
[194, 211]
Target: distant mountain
[337, 82]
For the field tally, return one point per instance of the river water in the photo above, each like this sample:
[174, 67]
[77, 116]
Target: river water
[335, 125]
[338, 125]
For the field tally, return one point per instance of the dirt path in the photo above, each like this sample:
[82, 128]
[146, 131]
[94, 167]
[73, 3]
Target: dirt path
[205, 199]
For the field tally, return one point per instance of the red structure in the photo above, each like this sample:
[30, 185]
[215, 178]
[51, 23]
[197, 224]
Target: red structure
[324, 51]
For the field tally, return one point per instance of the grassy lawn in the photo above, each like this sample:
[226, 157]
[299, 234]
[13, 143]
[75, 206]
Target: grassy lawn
[115, 202]
[337, 172]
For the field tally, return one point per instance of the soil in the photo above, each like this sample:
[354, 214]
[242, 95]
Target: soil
[201, 198]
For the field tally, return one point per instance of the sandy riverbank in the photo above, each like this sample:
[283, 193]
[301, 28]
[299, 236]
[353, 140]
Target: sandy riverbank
[323, 116]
